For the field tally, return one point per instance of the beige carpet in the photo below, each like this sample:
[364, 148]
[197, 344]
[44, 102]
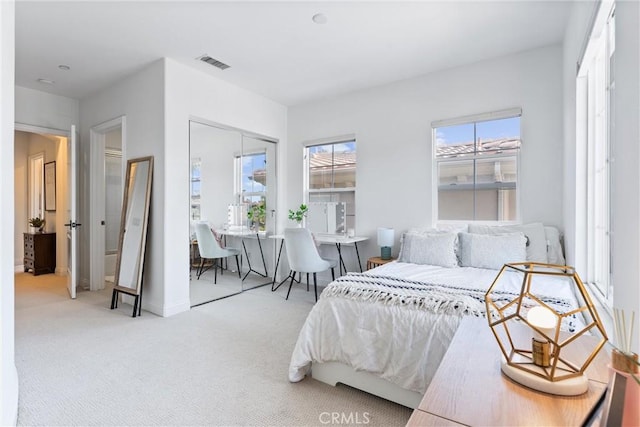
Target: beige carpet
[223, 363]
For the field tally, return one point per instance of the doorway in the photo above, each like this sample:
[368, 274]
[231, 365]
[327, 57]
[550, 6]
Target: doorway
[33, 148]
[107, 177]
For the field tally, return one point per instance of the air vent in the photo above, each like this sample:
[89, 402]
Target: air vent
[209, 60]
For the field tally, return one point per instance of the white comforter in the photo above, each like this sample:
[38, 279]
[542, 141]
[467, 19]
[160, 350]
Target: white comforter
[401, 343]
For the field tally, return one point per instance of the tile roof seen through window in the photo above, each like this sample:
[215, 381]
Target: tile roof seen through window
[489, 146]
[336, 159]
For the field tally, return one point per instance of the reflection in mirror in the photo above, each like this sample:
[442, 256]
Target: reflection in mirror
[233, 182]
[258, 191]
[327, 218]
[212, 152]
[133, 230]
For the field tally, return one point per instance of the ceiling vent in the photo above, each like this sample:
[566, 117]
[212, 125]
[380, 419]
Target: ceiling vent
[209, 60]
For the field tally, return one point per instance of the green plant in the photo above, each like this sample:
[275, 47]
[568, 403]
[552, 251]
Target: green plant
[36, 222]
[258, 214]
[299, 214]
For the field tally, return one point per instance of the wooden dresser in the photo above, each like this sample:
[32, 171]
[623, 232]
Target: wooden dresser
[40, 253]
[470, 389]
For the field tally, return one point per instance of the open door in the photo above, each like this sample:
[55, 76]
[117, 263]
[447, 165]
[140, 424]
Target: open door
[71, 224]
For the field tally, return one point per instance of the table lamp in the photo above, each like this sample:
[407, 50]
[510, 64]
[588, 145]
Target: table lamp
[386, 237]
[527, 325]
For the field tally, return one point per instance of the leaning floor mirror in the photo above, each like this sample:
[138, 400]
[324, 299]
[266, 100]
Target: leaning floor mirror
[133, 232]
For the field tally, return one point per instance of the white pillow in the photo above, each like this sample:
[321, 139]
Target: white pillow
[443, 228]
[554, 247]
[418, 231]
[492, 251]
[534, 233]
[432, 249]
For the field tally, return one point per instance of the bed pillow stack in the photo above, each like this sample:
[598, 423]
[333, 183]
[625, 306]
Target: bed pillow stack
[482, 246]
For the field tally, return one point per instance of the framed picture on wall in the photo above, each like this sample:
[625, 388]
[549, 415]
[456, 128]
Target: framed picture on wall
[50, 186]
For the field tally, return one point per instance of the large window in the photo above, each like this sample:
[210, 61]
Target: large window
[476, 162]
[595, 114]
[330, 174]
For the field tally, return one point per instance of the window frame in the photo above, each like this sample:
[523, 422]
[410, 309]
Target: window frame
[475, 157]
[308, 192]
[193, 202]
[238, 188]
[595, 87]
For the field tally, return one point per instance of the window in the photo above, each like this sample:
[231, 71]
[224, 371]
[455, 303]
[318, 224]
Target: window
[196, 177]
[476, 162]
[330, 174]
[250, 178]
[595, 118]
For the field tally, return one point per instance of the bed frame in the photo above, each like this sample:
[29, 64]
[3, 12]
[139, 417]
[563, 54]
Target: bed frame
[333, 373]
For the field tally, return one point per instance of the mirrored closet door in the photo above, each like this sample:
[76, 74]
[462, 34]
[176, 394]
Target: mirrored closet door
[258, 193]
[232, 211]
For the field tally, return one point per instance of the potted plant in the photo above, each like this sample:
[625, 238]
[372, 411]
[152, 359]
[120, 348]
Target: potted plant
[299, 214]
[257, 214]
[38, 223]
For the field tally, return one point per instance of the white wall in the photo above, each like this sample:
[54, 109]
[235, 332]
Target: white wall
[158, 103]
[43, 109]
[8, 374]
[139, 97]
[392, 124]
[625, 174]
[193, 94]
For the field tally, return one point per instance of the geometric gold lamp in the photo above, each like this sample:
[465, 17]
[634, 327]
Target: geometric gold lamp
[547, 342]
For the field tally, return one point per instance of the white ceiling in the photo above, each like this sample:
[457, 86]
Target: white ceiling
[274, 48]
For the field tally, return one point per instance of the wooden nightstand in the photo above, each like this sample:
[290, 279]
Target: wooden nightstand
[376, 261]
[40, 253]
[469, 388]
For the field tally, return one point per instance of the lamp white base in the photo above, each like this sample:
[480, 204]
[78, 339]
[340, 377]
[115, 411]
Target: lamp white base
[569, 387]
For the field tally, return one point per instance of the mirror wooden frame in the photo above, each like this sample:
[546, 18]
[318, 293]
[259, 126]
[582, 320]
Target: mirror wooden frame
[133, 232]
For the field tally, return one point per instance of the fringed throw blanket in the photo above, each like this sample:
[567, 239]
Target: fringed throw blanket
[437, 298]
[397, 324]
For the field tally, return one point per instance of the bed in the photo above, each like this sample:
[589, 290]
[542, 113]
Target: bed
[386, 330]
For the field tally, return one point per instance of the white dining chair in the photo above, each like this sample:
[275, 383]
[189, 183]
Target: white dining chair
[303, 257]
[209, 248]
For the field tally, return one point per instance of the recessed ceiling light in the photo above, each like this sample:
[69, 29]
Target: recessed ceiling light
[320, 18]
[64, 67]
[46, 81]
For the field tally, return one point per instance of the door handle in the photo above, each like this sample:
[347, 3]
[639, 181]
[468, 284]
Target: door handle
[73, 224]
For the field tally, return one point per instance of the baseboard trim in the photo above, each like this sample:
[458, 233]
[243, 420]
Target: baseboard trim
[19, 268]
